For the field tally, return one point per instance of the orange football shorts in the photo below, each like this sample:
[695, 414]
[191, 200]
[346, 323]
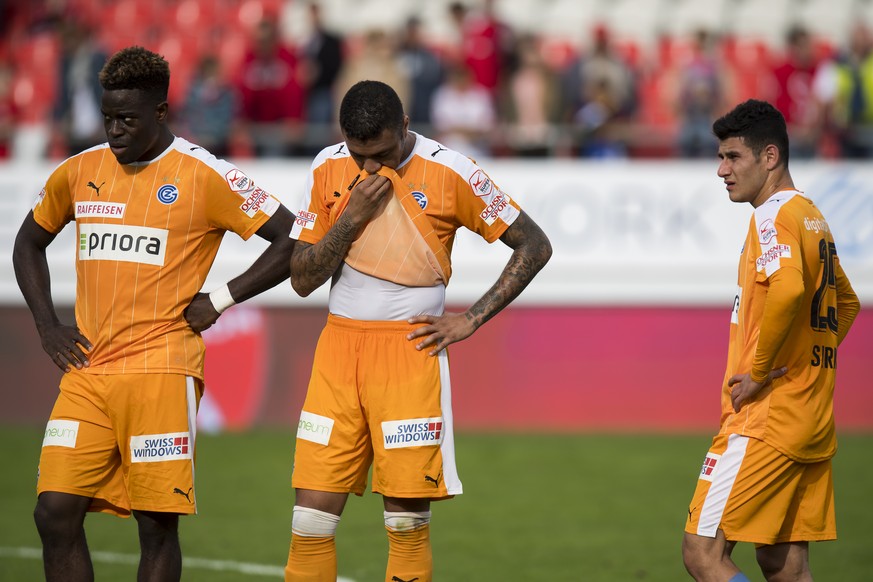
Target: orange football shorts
[374, 399]
[756, 494]
[124, 440]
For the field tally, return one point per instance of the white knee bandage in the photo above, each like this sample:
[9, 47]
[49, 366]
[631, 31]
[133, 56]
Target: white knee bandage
[312, 523]
[406, 520]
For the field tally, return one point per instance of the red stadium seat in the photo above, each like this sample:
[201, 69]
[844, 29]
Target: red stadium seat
[34, 84]
[129, 14]
[196, 15]
[182, 53]
[749, 62]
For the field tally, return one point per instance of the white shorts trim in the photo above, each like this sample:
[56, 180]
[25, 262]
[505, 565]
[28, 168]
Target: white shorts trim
[723, 478]
[191, 398]
[447, 448]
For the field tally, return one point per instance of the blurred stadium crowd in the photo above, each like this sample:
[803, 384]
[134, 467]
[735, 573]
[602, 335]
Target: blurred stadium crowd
[526, 78]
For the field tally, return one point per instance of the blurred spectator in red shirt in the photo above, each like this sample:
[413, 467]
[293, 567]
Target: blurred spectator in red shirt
[272, 94]
[486, 44]
[794, 95]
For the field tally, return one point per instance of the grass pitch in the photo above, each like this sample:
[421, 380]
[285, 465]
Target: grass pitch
[536, 507]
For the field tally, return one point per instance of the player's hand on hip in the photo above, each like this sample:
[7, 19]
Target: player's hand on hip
[440, 331]
[66, 345]
[201, 313]
[744, 389]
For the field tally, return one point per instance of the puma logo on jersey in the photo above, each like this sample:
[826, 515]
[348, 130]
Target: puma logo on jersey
[436, 482]
[185, 494]
[398, 579]
[438, 150]
[340, 150]
[95, 187]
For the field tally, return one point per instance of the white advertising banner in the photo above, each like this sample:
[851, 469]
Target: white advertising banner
[623, 232]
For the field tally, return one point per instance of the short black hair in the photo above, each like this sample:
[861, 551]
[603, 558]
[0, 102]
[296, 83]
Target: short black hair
[368, 109]
[137, 68]
[758, 123]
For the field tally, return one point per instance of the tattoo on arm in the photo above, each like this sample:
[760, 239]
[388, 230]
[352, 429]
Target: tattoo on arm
[531, 251]
[312, 265]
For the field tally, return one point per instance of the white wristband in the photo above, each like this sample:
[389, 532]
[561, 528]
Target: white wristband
[221, 299]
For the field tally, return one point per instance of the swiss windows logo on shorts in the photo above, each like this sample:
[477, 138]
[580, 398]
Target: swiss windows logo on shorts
[709, 465]
[414, 432]
[153, 448]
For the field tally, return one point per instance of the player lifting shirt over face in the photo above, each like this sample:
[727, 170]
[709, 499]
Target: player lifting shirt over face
[378, 218]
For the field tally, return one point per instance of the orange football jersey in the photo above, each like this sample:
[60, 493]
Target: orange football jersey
[147, 234]
[795, 413]
[436, 191]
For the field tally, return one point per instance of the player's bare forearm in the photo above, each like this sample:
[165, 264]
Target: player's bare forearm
[267, 271]
[270, 269]
[531, 251]
[64, 344]
[32, 271]
[312, 265]
[272, 266]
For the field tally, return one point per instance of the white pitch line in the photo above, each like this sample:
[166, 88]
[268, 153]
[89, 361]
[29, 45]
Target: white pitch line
[198, 563]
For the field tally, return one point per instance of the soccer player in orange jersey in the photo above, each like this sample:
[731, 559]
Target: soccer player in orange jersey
[150, 211]
[767, 477]
[379, 216]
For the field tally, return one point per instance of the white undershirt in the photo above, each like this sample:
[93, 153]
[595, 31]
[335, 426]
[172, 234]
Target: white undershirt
[358, 296]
